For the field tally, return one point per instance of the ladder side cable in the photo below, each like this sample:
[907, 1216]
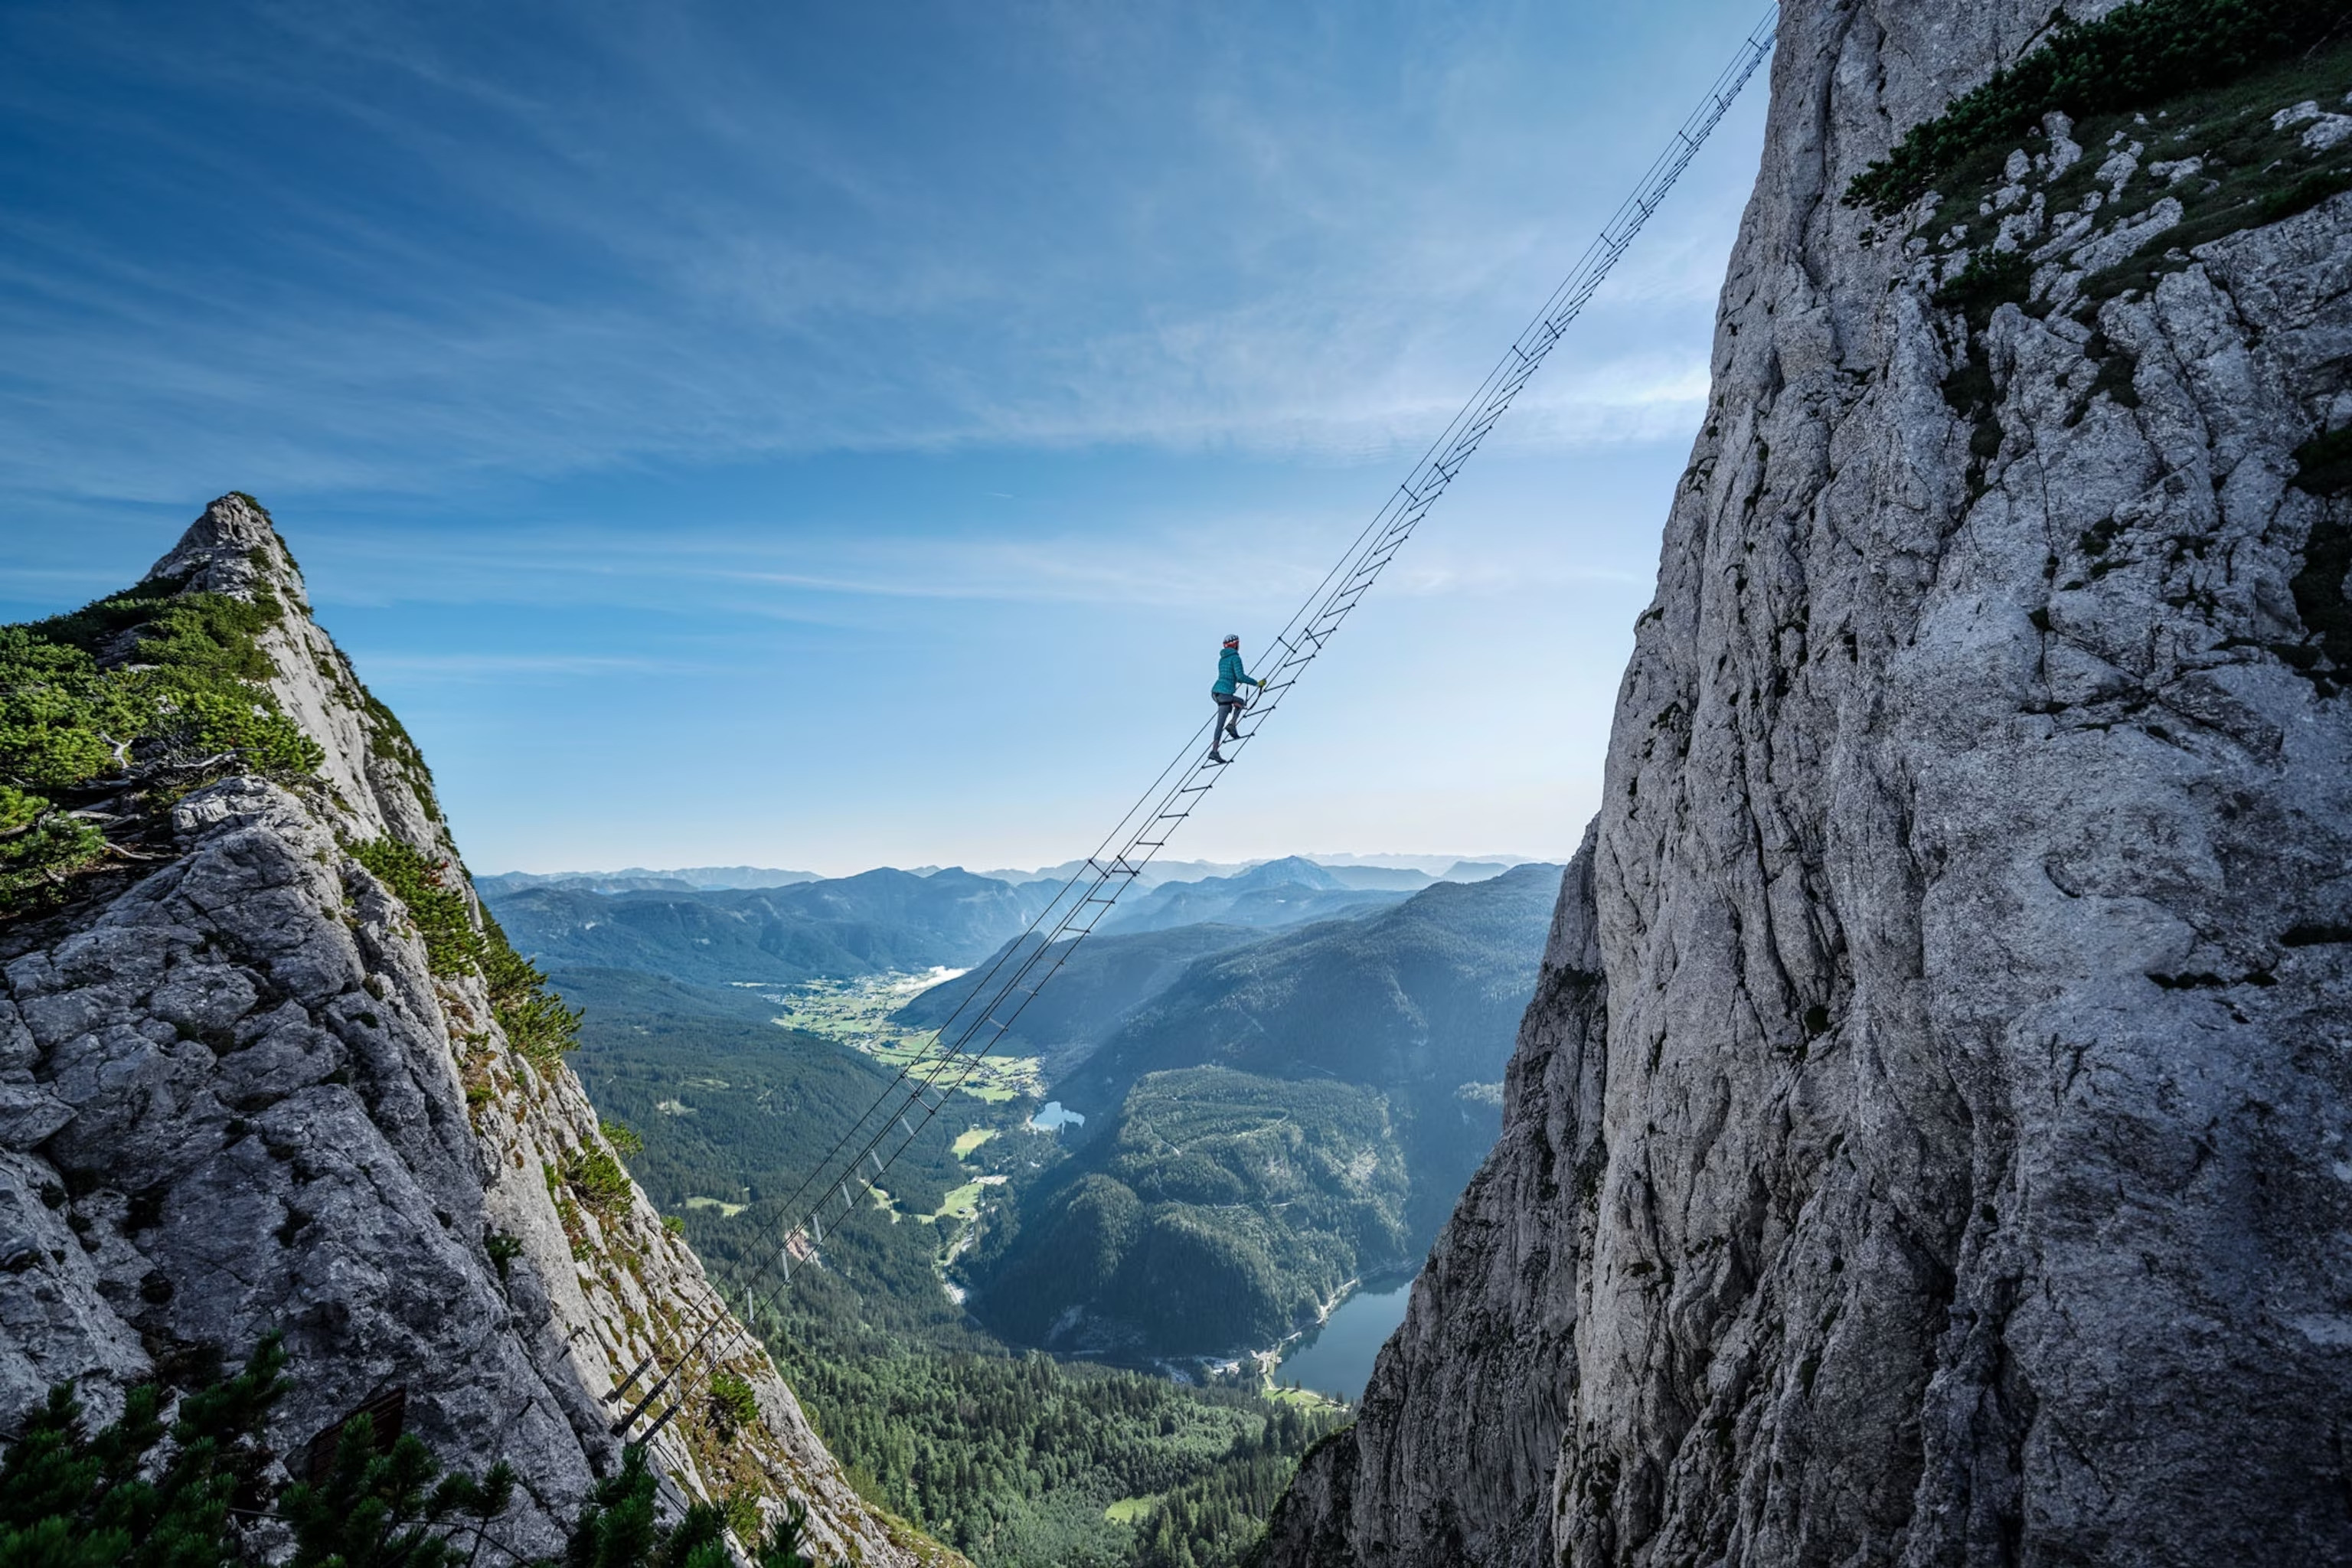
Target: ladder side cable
[988, 1010]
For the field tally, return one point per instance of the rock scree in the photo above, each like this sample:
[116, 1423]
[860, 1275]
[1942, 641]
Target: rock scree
[239, 1098]
[1928, 1144]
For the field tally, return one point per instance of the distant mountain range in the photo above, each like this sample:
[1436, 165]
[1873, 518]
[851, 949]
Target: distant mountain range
[797, 928]
[1406, 872]
[1146, 946]
[1278, 893]
[1288, 1073]
[1285, 1115]
[1094, 989]
[1432, 988]
[696, 878]
[876, 922]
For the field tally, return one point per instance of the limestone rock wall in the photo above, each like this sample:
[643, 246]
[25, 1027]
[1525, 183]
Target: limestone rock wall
[1927, 1145]
[236, 1099]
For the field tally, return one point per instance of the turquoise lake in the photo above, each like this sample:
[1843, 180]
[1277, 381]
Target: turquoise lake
[1338, 1357]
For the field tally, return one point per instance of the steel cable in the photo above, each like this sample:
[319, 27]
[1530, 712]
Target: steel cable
[1109, 871]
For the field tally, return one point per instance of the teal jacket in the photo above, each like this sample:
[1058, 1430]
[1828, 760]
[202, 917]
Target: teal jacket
[1229, 674]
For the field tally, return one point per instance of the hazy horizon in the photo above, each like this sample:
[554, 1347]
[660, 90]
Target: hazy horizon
[978, 868]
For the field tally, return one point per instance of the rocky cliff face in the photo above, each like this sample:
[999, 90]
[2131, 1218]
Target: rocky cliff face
[1928, 1144]
[241, 1097]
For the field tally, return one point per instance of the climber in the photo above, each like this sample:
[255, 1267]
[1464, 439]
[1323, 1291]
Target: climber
[1229, 699]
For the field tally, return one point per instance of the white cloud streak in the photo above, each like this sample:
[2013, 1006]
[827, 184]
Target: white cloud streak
[640, 250]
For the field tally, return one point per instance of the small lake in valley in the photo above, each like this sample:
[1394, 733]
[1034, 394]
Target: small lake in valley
[1338, 1357]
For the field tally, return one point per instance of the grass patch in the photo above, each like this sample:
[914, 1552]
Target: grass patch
[971, 1139]
[962, 1203]
[2306, 193]
[1130, 1510]
[2252, 173]
[2135, 54]
[726, 1210]
[1302, 1399]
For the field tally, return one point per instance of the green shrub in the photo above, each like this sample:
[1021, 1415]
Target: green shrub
[601, 1182]
[41, 850]
[124, 1497]
[503, 1251]
[206, 729]
[442, 915]
[71, 1499]
[205, 639]
[537, 1023]
[674, 1224]
[782, 1547]
[2133, 55]
[620, 1528]
[388, 1506]
[733, 1403]
[134, 699]
[1991, 278]
[622, 1137]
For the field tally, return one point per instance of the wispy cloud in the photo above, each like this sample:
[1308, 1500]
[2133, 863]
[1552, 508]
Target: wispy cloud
[643, 248]
[509, 670]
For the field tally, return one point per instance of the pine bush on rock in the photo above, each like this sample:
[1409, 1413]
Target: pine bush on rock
[2136, 54]
[537, 1023]
[110, 714]
[143, 1492]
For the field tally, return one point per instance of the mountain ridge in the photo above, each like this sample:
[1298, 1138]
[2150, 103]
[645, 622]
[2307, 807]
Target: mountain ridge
[1277, 1120]
[274, 1076]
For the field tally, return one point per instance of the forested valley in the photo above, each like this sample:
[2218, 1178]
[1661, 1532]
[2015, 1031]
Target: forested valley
[992, 1352]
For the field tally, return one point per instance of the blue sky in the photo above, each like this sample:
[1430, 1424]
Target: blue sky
[836, 436]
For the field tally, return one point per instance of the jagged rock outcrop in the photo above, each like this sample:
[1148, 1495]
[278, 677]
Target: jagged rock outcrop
[1928, 1144]
[239, 1096]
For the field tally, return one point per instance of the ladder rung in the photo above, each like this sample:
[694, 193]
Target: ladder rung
[627, 1381]
[654, 1431]
[626, 1421]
